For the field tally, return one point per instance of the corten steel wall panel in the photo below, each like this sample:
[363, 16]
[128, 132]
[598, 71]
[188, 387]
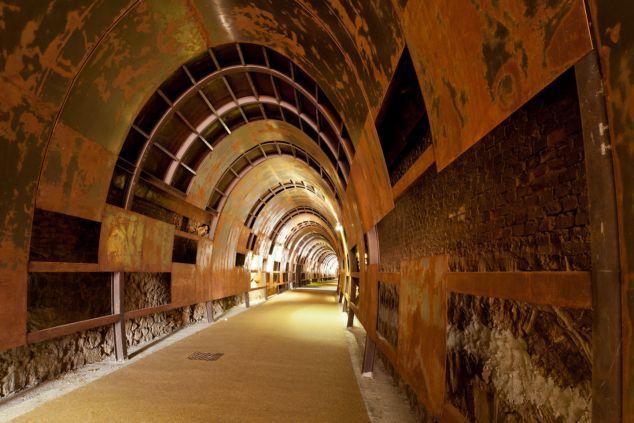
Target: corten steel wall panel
[204, 270]
[479, 61]
[184, 278]
[44, 44]
[229, 282]
[422, 325]
[242, 241]
[369, 299]
[132, 60]
[24, 123]
[371, 181]
[615, 37]
[75, 176]
[131, 242]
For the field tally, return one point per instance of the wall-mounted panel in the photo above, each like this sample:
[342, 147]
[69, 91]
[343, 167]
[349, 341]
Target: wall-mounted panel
[184, 278]
[422, 328]
[24, 125]
[75, 176]
[131, 242]
[479, 61]
[370, 178]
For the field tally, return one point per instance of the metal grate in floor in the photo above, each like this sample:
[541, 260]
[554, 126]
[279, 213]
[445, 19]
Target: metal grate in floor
[205, 356]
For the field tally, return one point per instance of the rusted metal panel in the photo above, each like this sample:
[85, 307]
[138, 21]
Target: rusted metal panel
[24, 123]
[133, 59]
[614, 35]
[130, 242]
[44, 44]
[369, 299]
[370, 179]
[204, 270]
[479, 61]
[301, 30]
[561, 289]
[230, 282]
[76, 175]
[184, 278]
[422, 328]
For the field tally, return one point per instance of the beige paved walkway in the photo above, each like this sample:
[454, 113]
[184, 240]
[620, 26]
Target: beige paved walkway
[285, 360]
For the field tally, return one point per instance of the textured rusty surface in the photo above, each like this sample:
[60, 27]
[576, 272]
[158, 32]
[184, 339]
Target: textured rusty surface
[615, 38]
[369, 299]
[134, 58]
[184, 283]
[561, 289]
[75, 175]
[24, 123]
[131, 242]
[44, 44]
[335, 44]
[422, 328]
[370, 178]
[504, 53]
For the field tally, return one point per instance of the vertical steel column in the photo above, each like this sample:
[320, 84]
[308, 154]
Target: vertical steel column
[246, 299]
[604, 244]
[120, 342]
[368, 355]
[209, 306]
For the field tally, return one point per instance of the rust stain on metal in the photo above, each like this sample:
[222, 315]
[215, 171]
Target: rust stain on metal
[135, 57]
[370, 179]
[24, 123]
[130, 242]
[422, 328]
[75, 176]
[184, 281]
[503, 54]
[562, 289]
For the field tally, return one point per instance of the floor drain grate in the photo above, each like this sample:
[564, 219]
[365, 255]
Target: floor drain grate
[205, 356]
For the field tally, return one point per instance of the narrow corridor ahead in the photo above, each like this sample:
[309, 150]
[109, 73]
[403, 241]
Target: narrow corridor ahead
[284, 360]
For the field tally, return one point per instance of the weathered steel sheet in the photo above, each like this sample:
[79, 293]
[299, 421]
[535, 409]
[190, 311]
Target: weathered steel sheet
[184, 278]
[44, 44]
[479, 61]
[24, 124]
[230, 282]
[130, 242]
[370, 178]
[422, 328]
[75, 176]
[298, 30]
[369, 299]
[204, 270]
[133, 59]
[369, 32]
[615, 37]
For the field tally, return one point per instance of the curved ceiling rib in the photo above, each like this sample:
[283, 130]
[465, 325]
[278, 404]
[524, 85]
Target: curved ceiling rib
[256, 155]
[212, 95]
[271, 193]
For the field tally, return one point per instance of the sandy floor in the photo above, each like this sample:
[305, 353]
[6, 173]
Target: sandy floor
[285, 360]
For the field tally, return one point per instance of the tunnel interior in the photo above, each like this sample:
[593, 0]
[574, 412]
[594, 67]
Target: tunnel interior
[458, 172]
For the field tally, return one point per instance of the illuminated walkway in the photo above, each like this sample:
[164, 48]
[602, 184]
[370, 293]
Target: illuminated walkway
[284, 360]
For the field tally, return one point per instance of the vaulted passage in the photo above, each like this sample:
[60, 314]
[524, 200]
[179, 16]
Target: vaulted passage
[446, 183]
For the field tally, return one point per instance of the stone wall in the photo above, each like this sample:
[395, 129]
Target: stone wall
[29, 365]
[516, 201]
